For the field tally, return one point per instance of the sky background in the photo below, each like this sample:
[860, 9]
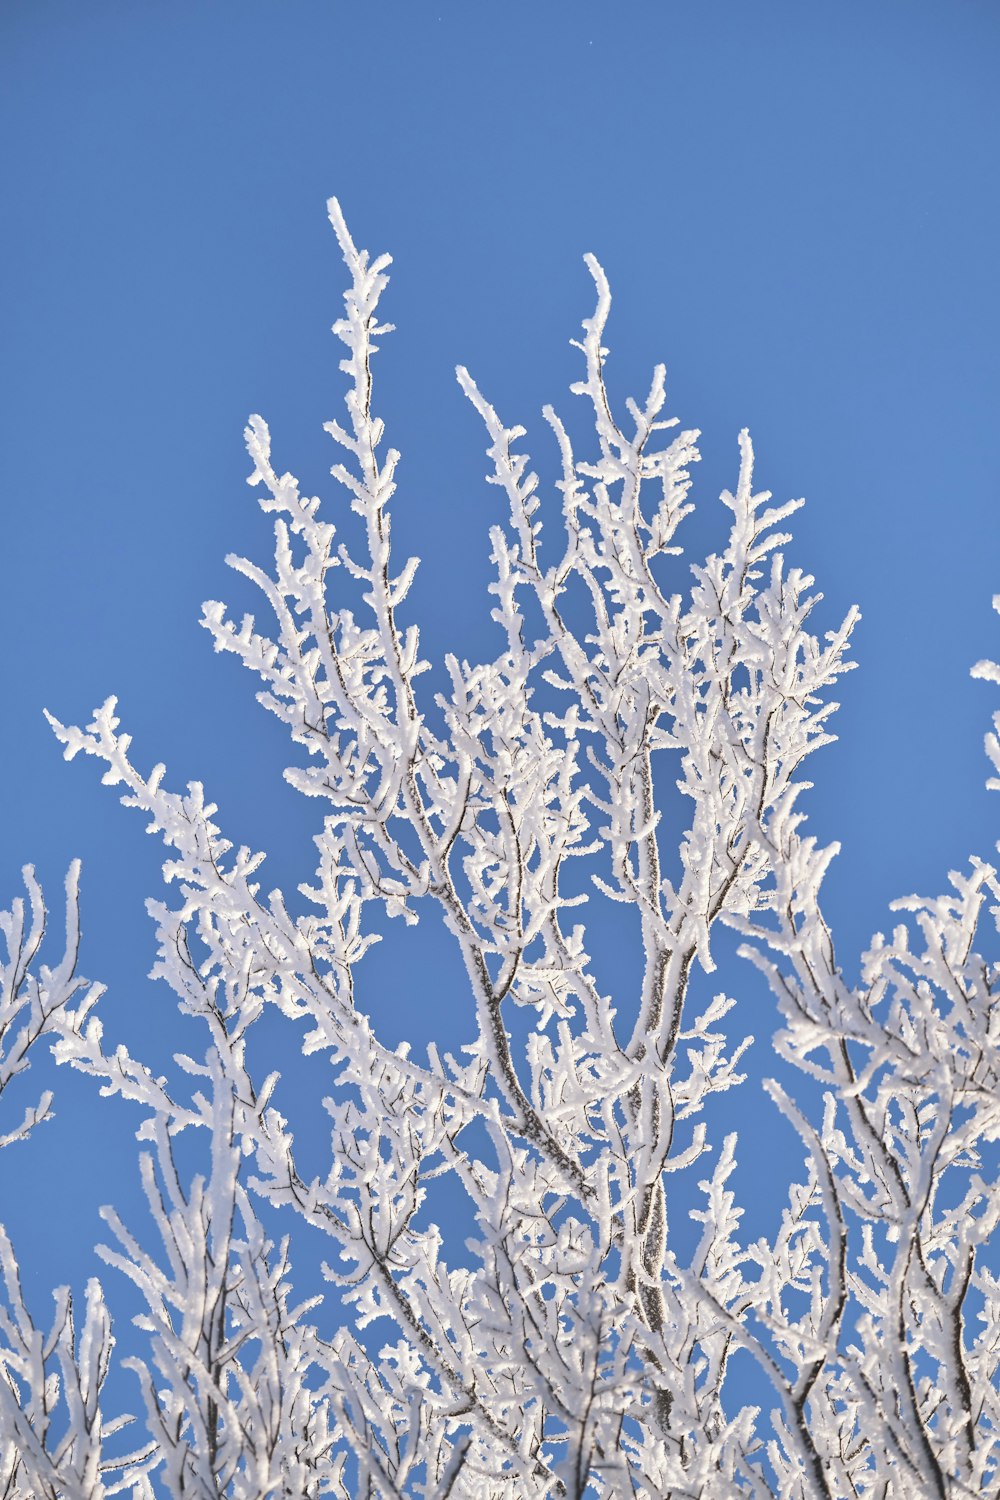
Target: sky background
[796, 206]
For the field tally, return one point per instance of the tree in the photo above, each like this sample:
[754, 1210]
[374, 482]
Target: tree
[575, 1347]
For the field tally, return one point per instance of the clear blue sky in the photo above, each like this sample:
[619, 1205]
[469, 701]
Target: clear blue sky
[796, 205]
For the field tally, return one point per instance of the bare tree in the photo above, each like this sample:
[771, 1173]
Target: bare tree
[572, 1347]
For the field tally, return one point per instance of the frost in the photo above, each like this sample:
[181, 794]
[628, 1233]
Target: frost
[560, 1342]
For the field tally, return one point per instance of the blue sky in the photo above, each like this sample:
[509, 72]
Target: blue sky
[796, 206]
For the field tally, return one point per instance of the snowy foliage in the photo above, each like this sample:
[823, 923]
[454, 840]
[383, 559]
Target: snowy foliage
[577, 1344]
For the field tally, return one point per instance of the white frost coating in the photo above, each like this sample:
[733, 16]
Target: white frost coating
[52, 1429]
[569, 1347]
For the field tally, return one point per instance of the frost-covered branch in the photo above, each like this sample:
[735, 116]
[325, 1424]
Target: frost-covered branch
[53, 1433]
[512, 1208]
